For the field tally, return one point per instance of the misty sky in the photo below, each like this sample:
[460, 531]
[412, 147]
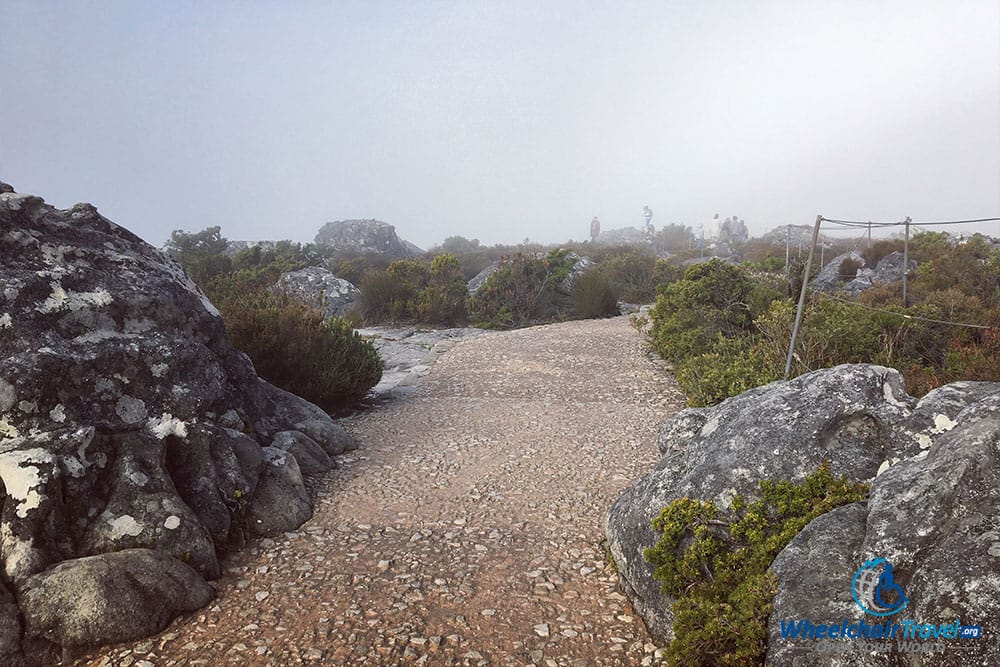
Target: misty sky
[501, 120]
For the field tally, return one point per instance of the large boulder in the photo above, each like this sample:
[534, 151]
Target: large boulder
[127, 419]
[318, 287]
[935, 482]
[888, 270]
[834, 273]
[365, 237]
[110, 598]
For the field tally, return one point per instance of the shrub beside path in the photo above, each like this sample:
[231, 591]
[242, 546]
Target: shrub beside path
[467, 530]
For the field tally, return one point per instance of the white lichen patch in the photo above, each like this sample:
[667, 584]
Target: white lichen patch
[166, 425]
[923, 440]
[58, 413]
[890, 395]
[138, 478]
[159, 370]
[21, 479]
[8, 430]
[943, 423]
[6, 321]
[710, 426]
[886, 465]
[124, 525]
[61, 299]
[173, 522]
[130, 409]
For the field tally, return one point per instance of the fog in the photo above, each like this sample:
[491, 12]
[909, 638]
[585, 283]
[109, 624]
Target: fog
[502, 120]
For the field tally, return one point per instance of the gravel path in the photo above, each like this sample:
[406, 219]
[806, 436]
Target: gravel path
[467, 529]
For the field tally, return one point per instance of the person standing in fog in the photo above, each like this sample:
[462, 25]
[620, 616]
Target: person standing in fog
[595, 229]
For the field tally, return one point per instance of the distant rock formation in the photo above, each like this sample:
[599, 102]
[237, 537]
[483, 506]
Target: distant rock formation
[623, 236]
[888, 270]
[318, 287]
[935, 486]
[234, 248]
[799, 234]
[833, 274]
[365, 237]
[481, 277]
[135, 440]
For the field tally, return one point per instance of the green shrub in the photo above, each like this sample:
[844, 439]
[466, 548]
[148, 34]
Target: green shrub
[733, 366]
[593, 296]
[632, 275]
[715, 564]
[690, 314]
[522, 291]
[444, 300]
[293, 347]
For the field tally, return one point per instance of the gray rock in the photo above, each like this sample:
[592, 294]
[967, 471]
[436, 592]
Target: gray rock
[935, 485]
[832, 275]
[623, 236]
[281, 502]
[318, 287]
[127, 418]
[408, 353]
[888, 270]
[365, 237]
[112, 597]
[298, 414]
[10, 624]
[784, 430]
[310, 456]
[817, 588]
[481, 277]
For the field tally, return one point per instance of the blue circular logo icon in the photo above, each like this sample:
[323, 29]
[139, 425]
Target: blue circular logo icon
[875, 591]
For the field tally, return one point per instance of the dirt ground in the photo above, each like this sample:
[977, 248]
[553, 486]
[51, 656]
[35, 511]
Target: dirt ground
[466, 530]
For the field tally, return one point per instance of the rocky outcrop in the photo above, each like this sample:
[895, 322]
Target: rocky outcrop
[408, 354]
[365, 237]
[888, 270]
[623, 236]
[481, 277]
[319, 288]
[127, 421]
[935, 483]
[834, 273]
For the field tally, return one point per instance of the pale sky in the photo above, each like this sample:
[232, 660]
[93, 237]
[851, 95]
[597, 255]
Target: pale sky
[501, 120]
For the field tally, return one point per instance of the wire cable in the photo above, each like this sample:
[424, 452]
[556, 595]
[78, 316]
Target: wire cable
[904, 315]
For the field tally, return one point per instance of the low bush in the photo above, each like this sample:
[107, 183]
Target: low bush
[293, 347]
[593, 296]
[715, 564]
[522, 291]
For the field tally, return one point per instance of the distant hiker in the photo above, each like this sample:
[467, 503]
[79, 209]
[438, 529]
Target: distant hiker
[650, 230]
[595, 229]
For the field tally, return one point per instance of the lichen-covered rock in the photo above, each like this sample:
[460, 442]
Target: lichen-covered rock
[318, 287]
[127, 419]
[888, 270]
[310, 456]
[298, 414]
[832, 275]
[281, 502]
[365, 237]
[934, 470]
[111, 597]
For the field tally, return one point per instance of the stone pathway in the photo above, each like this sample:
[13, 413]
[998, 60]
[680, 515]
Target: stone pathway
[467, 530]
